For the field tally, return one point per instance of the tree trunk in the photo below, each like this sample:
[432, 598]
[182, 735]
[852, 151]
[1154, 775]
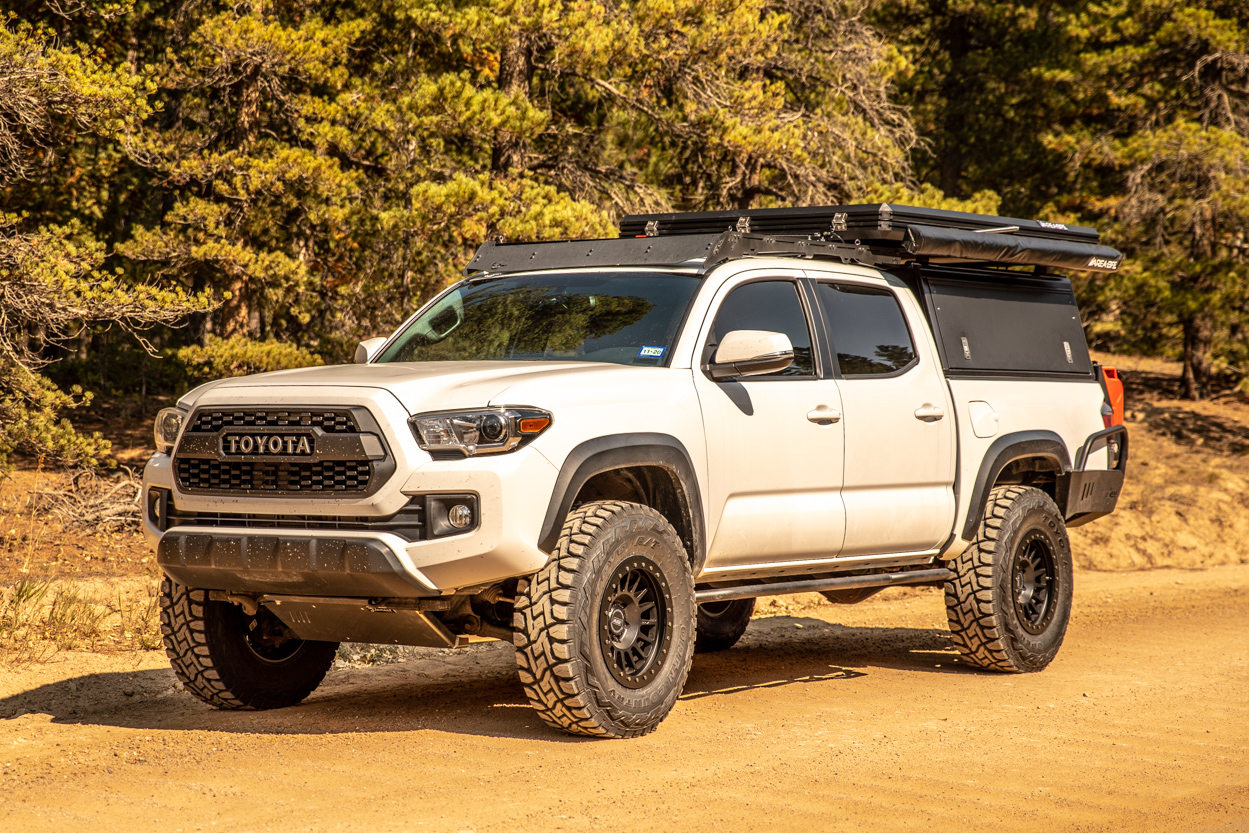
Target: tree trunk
[515, 79]
[1199, 325]
[1198, 341]
[954, 92]
[236, 312]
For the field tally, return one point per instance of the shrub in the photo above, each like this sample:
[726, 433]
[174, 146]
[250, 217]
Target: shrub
[240, 356]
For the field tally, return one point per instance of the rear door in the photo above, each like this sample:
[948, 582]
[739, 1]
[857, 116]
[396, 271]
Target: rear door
[898, 481]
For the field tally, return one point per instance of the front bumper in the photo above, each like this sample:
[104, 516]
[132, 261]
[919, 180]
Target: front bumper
[258, 562]
[512, 492]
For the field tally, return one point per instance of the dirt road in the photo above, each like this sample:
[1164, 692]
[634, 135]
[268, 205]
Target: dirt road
[1141, 723]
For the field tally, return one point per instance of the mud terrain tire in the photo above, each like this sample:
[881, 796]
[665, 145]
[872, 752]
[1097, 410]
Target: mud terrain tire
[216, 652]
[1010, 599]
[721, 624]
[605, 631]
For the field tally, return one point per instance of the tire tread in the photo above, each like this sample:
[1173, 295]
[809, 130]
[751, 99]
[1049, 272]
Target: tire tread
[979, 628]
[548, 662]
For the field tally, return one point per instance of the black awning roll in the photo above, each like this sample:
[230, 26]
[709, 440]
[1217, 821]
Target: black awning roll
[971, 246]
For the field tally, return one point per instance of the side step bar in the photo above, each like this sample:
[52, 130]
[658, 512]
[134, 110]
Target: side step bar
[749, 591]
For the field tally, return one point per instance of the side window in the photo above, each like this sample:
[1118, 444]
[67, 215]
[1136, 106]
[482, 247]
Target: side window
[868, 330]
[768, 305]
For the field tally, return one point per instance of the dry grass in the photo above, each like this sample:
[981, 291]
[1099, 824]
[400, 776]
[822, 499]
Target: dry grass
[40, 617]
[89, 501]
[58, 525]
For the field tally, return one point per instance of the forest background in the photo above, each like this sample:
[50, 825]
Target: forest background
[194, 189]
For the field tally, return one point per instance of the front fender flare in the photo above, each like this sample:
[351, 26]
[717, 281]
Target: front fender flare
[620, 451]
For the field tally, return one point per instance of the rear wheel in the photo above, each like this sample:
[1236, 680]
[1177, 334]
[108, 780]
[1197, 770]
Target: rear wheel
[721, 624]
[605, 631]
[1010, 599]
[233, 660]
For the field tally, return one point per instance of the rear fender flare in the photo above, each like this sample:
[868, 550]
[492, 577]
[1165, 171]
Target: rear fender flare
[1004, 451]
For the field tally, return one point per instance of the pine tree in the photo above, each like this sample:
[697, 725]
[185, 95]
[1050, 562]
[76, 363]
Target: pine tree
[1164, 149]
[52, 283]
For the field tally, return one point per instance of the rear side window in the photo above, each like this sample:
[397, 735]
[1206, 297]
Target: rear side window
[773, 306]
[868, 331]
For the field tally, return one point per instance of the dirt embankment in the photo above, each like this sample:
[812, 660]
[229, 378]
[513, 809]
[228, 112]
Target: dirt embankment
[1186, 499]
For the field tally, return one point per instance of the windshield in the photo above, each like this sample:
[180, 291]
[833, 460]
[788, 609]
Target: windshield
[618, 317]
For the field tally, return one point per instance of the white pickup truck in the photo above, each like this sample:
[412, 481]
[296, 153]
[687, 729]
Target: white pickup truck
[603, 451]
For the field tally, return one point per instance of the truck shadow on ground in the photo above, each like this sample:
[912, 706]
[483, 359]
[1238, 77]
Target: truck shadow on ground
[476, 691]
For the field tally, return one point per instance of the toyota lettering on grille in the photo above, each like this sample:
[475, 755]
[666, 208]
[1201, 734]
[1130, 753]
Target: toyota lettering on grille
[271, 445]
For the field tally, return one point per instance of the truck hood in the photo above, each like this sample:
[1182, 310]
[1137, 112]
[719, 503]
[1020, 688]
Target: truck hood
[424, 386]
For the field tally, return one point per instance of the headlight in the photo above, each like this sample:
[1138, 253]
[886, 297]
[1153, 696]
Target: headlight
[168, 426]
[488, 431]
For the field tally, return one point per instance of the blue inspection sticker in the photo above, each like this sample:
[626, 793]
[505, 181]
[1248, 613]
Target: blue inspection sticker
[651, 352]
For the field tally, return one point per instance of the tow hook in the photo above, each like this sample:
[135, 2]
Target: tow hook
[248, 603]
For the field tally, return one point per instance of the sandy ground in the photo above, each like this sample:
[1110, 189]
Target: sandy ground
[823, 717]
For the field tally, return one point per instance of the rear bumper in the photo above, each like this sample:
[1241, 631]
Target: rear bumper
[1089, 495]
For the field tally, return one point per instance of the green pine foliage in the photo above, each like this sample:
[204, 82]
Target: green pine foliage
[1129, 115]
[53, 281]
[241, 356]
[258, 185]
[1162, 149]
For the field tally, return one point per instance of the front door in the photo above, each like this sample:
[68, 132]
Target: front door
[899, 428]
[774, 442]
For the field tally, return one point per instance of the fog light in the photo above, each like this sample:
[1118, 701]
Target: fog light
[460, 516]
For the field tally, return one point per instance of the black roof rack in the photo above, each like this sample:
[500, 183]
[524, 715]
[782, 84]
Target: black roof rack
[877, 222]
[874, 235]
[690, 249]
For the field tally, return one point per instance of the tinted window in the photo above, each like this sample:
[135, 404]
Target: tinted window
[867, 329]
[620, 317]
[773, 306]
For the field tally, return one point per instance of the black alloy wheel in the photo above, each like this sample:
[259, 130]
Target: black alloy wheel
[233, 660]
[604, 633]
[633, 622]
[1009, 600]
[721, 624]
[1033, 582]
[265, 636]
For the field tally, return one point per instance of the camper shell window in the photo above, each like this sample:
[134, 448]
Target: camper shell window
[993, 327]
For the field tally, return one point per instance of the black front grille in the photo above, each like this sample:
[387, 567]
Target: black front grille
[408, 522]
[332, 422]
[198, 474]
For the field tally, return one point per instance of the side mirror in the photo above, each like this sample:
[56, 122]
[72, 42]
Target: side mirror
[751, 353]
[367, 349]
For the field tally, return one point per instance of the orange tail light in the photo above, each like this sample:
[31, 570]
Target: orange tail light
[1114, 390]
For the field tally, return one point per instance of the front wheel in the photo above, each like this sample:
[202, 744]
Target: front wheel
[1010, 599]
[721, 624]
[605, 631]
[233, 660]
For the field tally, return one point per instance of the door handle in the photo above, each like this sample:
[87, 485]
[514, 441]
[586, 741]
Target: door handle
[929, 412]
[823, 413]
